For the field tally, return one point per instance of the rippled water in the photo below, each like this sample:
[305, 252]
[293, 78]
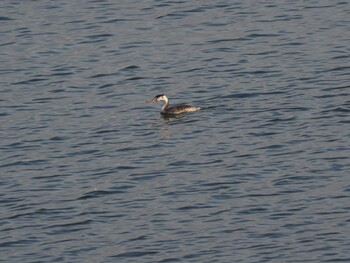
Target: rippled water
[91, 173]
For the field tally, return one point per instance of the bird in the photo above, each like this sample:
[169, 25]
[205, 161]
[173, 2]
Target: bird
[174, 110]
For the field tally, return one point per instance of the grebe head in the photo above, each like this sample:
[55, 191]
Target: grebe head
[160, 97]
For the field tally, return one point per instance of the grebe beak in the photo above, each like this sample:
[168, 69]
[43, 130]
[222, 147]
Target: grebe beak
[152, 100]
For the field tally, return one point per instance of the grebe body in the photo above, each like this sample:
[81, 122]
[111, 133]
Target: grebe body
[178, 109]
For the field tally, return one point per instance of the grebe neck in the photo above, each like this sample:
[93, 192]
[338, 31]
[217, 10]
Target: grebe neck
[166, 104]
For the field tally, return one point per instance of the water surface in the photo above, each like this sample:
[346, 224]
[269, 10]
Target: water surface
[91, 173]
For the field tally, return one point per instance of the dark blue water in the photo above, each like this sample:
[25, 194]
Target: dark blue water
[91, 173]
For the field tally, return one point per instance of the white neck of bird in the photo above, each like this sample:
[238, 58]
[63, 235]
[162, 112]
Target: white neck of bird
[166, 103]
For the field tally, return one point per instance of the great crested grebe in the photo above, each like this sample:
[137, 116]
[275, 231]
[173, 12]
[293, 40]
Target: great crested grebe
[178, 109]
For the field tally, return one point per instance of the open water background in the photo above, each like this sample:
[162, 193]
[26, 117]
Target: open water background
[91, 173]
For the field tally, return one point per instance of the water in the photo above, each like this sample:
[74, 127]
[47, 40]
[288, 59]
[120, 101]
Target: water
[91, 173]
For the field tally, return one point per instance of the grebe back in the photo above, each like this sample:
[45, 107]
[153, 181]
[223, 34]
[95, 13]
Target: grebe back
[178, 109]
